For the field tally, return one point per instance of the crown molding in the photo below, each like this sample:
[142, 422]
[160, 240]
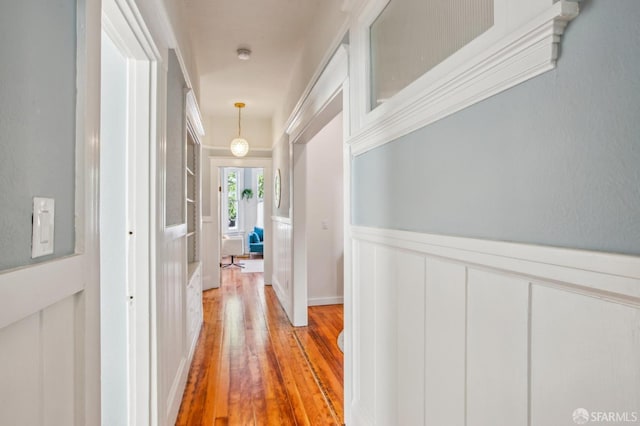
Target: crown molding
[520, 55]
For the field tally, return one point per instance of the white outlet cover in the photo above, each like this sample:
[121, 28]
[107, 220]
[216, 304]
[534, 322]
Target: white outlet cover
[43, 232]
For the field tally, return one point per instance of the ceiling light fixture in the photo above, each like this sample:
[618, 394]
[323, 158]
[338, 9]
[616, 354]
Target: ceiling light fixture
[244, 54]
[239, 146]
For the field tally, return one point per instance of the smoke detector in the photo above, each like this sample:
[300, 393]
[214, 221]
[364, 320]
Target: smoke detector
[244, 54]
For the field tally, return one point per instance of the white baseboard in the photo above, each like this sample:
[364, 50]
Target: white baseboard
[175, 393]
[320, 301]
[281, 294]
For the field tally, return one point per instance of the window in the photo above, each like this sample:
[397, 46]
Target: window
[232, 178]
[411, 37]
[415, 62]
[261, 185]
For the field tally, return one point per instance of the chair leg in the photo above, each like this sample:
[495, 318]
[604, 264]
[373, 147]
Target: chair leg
[233, 263]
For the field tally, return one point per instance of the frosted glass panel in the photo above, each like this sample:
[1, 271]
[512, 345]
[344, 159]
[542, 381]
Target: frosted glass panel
[412, 36]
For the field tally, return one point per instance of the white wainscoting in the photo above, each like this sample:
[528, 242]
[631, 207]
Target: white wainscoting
[455, 331]
[171, 324]
[282, 261]
[38, 366]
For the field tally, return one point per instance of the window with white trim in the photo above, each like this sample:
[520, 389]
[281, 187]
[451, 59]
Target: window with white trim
[414, 62]
[410, 37]
[232, 182]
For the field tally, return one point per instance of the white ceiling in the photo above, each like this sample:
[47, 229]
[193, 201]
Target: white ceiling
[274, 30]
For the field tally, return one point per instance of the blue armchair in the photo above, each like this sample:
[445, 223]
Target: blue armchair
[256, 241]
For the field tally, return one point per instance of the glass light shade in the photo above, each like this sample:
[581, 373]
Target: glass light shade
[239, 147]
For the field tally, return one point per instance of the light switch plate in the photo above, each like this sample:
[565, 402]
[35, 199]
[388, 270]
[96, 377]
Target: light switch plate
[43, 220]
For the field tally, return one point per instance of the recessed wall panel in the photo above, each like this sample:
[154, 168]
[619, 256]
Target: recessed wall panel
[365, 333]
[385, 327]
[585, 354]
[410, 346]
[445, 334]
[497, 349]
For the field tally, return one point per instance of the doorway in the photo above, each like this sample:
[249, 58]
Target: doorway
[213, 225]
[324, 211]
[328, 99]
[242, 218]
[128, 64]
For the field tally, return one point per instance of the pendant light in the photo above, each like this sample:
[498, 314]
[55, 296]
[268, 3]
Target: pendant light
[239, 146]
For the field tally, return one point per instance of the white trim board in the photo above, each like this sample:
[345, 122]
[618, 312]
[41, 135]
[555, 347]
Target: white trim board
[326, 87]
[193, 112]
[329, 56]
[35, 287]
[281, 219]
[573, 267]
[322, 301]
[497, 60]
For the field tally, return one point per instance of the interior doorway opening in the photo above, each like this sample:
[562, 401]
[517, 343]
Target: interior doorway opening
[221, 221]
[242, 210]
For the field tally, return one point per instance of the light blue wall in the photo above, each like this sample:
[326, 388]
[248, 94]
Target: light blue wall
[553, 161]
[37, 123]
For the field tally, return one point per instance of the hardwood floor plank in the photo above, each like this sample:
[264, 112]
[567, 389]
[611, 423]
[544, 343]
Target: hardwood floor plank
[251, 367]
[319, 343]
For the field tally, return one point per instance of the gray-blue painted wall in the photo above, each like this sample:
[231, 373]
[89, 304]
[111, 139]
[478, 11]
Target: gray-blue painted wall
[553, 161]
[37, 123]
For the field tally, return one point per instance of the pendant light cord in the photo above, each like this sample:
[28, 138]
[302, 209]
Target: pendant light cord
[239, 111]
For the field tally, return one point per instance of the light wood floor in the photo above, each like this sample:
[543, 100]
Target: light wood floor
[251, 367]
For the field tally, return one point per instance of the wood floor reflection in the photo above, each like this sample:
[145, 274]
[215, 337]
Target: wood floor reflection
[251, 367]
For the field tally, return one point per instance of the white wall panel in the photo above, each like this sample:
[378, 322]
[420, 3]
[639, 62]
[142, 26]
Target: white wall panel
[20, 373]
[410, 344]
[497, 344]
[172, 340]
[383, 331]
[445, 334]
[282, 261]
[454, 331]
[58, 362]
[364, 334]
[37, 367]
[573, 334]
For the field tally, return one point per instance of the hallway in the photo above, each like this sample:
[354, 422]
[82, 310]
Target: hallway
[252, 367]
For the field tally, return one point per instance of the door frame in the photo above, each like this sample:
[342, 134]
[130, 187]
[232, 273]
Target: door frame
[327, 98]
[320, 104]
[123, 23]
[218, 163]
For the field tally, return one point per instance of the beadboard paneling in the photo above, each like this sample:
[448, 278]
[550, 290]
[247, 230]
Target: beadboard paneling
[282, 261]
